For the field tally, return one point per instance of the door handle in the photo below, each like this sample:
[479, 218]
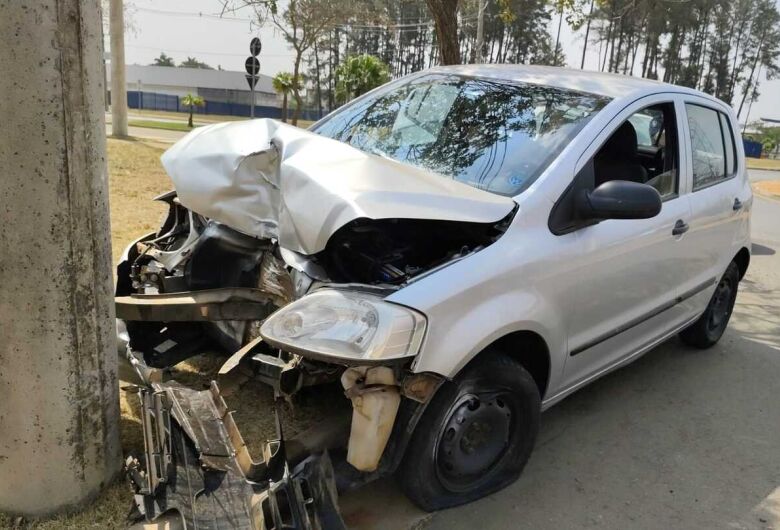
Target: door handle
[737, 204]
[680, 227]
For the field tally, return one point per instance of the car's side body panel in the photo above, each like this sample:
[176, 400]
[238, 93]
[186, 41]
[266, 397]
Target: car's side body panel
[512, 285]
[607, 293]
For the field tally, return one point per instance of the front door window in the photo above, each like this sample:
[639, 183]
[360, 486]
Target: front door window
[643, 149]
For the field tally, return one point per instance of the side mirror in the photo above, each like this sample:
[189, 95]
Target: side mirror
[619, 199]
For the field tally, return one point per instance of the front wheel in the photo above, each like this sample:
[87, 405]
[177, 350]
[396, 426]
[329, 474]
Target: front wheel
[706, 331]
[475, 436]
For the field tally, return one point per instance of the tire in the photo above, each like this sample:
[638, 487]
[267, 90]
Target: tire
[709, 328]
[474, 437]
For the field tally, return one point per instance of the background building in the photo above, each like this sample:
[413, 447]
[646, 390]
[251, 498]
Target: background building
[223, 91]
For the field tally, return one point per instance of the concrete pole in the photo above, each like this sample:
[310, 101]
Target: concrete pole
[59, 400]
[116, 27]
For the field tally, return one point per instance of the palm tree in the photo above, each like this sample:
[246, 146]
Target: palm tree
[164, 60]
[192, 102]
[359, 74]
[283, 84]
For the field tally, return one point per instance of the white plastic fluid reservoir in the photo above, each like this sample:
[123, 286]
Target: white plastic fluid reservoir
[375, 399]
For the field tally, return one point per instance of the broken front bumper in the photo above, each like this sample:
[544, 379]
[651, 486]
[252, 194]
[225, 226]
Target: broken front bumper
[197, 463]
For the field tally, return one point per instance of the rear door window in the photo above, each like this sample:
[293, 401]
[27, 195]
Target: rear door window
[712, 146]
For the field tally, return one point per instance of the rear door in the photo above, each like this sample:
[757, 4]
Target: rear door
[719, 199]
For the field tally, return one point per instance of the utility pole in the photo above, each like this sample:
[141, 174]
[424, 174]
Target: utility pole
[59, 411]
[116, 27]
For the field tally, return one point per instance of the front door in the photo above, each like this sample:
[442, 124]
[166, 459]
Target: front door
[627, 270]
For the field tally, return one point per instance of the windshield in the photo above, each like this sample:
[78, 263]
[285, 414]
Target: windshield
[493, 135]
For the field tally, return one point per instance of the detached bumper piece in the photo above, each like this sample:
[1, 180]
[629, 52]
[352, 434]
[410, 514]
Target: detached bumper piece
[228, 303]
[197, 464]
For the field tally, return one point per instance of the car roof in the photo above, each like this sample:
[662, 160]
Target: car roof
[605, 84]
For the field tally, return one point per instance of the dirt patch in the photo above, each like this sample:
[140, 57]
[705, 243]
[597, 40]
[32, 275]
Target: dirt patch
[768, 187]
[135, 177]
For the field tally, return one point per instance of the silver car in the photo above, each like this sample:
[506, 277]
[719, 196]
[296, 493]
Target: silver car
[460, 248]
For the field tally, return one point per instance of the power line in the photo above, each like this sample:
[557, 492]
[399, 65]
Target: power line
[212, 16]
[215, 16]
[158, 48]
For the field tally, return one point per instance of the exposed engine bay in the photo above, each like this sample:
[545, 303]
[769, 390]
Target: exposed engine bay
[193, 253]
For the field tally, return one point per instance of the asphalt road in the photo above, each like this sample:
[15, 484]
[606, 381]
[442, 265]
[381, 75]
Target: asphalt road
[763, 174]
[681, 438]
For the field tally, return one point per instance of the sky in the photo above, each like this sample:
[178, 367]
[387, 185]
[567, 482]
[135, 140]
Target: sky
[183, 28]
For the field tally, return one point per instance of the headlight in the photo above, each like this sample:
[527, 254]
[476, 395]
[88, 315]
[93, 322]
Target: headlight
[348, 326]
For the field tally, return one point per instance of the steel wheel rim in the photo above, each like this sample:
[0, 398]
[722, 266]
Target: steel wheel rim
[721, 306]
[474, 441]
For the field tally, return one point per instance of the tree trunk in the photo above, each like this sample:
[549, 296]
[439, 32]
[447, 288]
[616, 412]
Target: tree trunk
[700, 69]
[615, 67]
[558, 36]
[59, 429]
[607, 43]
[284, 107]
[646, 58]
[319, 83]
[587, 33]
[330, 76]
[189, 121]
[296, 88]
[750, 103]
[478, 55]
[733, 81]
[445, 17]
[633, 55]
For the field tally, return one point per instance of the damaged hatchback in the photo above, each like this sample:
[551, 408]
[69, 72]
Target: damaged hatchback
[459, 249]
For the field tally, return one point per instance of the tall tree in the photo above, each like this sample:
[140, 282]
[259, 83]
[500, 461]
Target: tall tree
[283, 84]
[359, 74]
[765, 46]
[302, 23]
[714, 45]
[191, 102]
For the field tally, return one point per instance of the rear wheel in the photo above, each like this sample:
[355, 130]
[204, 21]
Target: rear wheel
[706, 331]
[475, 436]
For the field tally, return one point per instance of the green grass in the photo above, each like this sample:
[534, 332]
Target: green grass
[762, 163]
[167, 125]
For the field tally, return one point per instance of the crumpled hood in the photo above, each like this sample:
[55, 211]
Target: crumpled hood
[273, 180]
